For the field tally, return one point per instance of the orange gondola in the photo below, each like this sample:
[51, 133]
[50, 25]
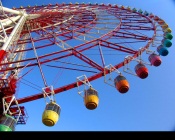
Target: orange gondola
[121, 84]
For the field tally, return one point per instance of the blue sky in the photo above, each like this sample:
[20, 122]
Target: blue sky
[148, 106]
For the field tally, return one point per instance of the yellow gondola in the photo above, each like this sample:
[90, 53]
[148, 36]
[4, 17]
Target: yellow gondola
[122, 7]
[129, 8]
[51, 114]
[91, 99]
[168, 30]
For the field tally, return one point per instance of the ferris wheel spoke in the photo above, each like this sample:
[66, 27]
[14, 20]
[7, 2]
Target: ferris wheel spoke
[136, 28]
[117, 47]
[71, 69]
[87, 60]
[130, 35]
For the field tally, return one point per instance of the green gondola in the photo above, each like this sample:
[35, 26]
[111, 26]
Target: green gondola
[7, 123]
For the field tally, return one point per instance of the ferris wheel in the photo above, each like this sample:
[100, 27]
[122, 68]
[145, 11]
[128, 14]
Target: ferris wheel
[57, 47]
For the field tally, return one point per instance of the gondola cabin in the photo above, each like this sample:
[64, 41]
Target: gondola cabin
[163, 51]
[91, 99]
[161, 22]
[146, 13]
[121, 84]
[109, 4]
[140, 11]
[128, 8]
[167, 30]
[151, 15]
[167, 42]
[141, 71]
[164, 26]
[51, 114]
[116, 6]
[134, 10]
[122, 7]
[7, 123]
[168, 36]
[155, 59]
[156, 18]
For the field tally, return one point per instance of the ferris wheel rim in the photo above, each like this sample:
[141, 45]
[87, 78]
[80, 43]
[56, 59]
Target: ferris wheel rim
[96, 76]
